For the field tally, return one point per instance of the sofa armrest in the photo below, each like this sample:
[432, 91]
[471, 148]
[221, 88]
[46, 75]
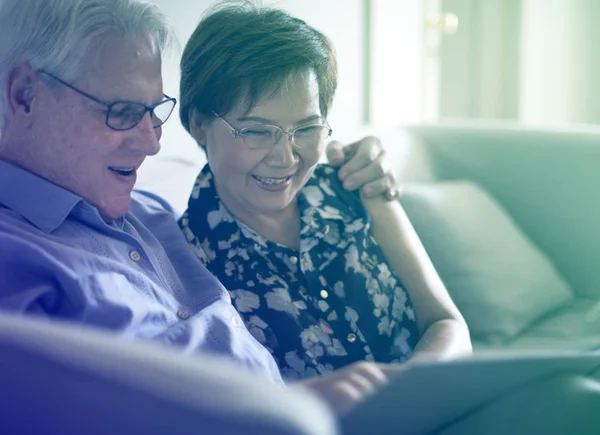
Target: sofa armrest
[64, 379]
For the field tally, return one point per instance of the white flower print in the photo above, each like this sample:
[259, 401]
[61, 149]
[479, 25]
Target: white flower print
[314, 339]
[295, 362]
[307, 264]
[336, 348]
[333, 235]
[229, 268]
[332, 213]
[279, 299]
[372, 285]
[202, 182]
[187, 232]
[381, 303]
[323, 306]
[399, 304]
[314, 195]
[245, 301]
[338, 289]
[301, 305]
[214, 218]
[351, 315]
[410, 313]
[199, 252]
[210, 254]
[326, 187]
[352, 262]
[225, 245]
[257, 321]
[243, 254]
[355, 226]
[401, 345]
[385, 275]
[385, 326]
[270, 281]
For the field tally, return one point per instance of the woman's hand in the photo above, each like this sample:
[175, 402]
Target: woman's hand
[363, 166]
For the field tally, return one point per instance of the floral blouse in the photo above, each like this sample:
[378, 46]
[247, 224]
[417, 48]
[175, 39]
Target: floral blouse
[333, 303]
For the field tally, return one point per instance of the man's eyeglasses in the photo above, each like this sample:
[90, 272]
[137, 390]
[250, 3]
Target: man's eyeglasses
[262, 136]
[125, 115]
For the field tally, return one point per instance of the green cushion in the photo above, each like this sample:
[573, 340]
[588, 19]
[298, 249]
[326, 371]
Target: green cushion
[498, 278]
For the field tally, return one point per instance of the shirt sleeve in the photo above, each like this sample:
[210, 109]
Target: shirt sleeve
[27, 283]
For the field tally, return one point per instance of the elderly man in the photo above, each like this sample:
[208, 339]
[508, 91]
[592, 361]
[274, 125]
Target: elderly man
[82, 106]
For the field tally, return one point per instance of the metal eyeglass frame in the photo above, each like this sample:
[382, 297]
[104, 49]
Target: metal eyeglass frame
[238, 133]
[110, 105]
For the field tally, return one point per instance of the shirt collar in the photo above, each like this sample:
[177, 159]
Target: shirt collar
[41, 202]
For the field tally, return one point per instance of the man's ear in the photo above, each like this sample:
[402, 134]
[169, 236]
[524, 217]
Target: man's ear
[21, 87]
[198, 127]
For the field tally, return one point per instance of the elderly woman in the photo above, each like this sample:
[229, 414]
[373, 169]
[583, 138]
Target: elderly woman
[321, 280]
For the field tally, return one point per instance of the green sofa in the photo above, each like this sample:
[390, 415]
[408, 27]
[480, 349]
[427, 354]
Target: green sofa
[528, 210]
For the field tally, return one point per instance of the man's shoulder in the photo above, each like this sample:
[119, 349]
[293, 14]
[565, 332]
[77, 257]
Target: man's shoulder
[144, 202]
[12, 223]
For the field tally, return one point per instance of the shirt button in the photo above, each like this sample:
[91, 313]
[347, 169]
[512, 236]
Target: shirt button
[235, 320]
[294, 260]
[135, 256]
[324, 294]
[351, 338]
[183, 314]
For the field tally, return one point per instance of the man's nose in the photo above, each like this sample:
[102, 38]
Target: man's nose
[147, 136]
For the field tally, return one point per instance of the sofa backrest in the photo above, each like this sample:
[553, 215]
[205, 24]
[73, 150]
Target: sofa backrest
[547, 179]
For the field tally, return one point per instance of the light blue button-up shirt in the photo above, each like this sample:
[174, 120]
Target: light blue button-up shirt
[135, 276]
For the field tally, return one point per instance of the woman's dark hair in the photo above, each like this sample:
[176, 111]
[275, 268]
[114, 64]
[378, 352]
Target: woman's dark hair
[242, 51]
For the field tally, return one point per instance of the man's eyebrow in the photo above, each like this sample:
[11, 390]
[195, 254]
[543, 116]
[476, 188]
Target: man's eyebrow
[154, 102]
[262, 120]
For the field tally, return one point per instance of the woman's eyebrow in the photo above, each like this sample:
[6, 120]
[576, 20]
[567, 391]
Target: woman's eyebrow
[270, 121]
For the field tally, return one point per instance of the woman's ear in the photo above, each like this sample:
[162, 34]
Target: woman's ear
[197, 127]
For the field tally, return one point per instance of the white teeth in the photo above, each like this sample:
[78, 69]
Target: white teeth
[266, 180]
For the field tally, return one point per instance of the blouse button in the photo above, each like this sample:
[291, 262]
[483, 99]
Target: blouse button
[183, 314]
[324, 294]
[235, 320]
[351, 338]
[135, 256]
[294, 260]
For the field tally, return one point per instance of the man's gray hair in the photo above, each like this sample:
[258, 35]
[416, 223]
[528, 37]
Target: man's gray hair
[57, 35]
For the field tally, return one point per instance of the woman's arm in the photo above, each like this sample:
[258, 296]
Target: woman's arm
[444, 332]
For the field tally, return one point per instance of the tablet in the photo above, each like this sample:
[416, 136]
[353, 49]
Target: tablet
[427, 397]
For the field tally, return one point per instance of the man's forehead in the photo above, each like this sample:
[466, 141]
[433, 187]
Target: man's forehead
[126, 68]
